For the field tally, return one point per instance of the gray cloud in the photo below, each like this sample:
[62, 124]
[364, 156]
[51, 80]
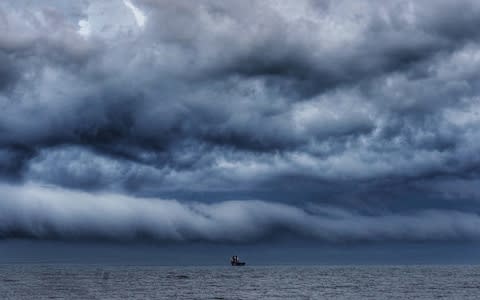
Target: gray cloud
[366, 106]
[42, 212]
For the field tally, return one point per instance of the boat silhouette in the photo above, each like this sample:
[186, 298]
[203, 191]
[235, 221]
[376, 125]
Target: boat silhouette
[234, 261]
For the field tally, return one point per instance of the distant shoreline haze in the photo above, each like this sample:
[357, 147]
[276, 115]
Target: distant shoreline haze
[204, 254]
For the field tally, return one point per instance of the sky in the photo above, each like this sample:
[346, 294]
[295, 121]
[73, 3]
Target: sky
[240, 122]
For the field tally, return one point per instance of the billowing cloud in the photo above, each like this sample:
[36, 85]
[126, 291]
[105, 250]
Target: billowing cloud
[45, 212]
[364, 106]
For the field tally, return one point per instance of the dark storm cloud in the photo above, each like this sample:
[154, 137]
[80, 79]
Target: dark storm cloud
[8, 72]
[309, 48]
[39, 212]
[12, 161]
[369, 106]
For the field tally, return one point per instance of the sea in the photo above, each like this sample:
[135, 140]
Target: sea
[37, 281]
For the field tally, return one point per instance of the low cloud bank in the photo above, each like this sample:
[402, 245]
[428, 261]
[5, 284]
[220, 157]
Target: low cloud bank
[32, 211]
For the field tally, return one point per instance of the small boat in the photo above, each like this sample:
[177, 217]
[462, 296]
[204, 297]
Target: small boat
[234, 261]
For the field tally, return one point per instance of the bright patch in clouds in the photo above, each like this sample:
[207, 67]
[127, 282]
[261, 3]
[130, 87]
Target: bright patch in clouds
[140, 17]
[84, 28]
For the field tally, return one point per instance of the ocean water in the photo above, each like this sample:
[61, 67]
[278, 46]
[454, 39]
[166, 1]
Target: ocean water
[19, 281]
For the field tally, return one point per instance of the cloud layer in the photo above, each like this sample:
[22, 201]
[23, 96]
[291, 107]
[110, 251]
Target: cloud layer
[50, 213]
[368, 107]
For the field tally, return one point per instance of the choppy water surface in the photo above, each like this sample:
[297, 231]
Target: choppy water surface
[275, 282]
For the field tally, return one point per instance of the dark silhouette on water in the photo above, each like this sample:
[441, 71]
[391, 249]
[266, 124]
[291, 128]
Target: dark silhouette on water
[234, 261]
